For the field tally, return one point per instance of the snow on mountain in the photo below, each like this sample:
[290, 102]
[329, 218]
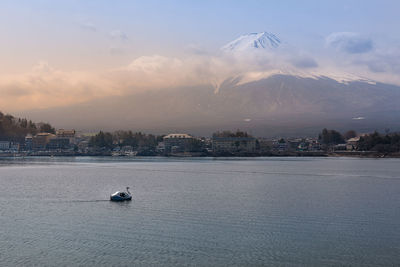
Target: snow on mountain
[262, 40]
[254, 49]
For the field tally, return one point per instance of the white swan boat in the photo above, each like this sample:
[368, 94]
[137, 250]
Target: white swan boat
[121, 196]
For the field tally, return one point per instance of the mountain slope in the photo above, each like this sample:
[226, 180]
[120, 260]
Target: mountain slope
[276, 105]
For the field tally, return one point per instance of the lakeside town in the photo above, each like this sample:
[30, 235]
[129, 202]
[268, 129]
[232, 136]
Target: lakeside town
[69, 142]
[20, 137]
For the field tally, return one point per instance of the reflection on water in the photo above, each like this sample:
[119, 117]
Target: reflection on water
[242, 211]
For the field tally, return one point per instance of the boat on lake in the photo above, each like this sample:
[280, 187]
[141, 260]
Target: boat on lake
[121, 196]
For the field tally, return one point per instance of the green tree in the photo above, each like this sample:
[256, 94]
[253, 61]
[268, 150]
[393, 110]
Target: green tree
[196, 145]
[349, 134]
[47, 128]
[380, 143]
[330, 137]
[102, 140]
[238, 133]
[15, 129]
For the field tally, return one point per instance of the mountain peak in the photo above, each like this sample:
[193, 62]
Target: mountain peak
[251, 41]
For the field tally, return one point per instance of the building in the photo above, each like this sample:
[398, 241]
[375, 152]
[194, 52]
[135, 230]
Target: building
[295, 144]
[5, 145]
[83, 146]
[41, 140]
[265, 145]
[70, 134]
[57, 143]
[15, 147]
[352, 143]
[234, 144]
[9, 146]
[314, 145]
[340, 147]
[28, 142]
[280, 146]
[177, 143]
[160, 148]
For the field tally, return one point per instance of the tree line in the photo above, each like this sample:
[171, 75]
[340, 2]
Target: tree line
[238, 133]
[388, 142]
[125, 138]
[15, 129]
[383, 143]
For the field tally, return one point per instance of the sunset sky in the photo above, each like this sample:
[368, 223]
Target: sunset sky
[58, 53]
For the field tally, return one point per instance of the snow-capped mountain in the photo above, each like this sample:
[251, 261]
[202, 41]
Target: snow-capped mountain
[262, 89]
[262, 40]
[262, 55]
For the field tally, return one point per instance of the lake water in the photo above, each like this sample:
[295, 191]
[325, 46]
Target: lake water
[203, 212]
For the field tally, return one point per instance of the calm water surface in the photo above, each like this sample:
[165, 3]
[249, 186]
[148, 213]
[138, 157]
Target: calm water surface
[203, 212]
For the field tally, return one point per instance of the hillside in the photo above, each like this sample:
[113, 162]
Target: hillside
[15, 129]
[281, 104]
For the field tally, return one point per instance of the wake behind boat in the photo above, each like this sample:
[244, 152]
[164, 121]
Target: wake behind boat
[121, 196]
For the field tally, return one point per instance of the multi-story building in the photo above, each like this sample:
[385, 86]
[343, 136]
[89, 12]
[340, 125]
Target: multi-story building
[280, 146]
[5, 145]
[265, 145]
[41, 140]
[28, 142]
[177, 142]
[15, 147]
[9, 146]
[70, 134]
[58, 143]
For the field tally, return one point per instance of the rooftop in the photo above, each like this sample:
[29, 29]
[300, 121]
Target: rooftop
[354, 139]
[178, 135]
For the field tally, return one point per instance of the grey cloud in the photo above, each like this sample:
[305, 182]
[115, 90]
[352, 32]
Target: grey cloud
[384, 64]
[350, 42]
[304, 62]
[118, 34]
[377, 66]
[381, 62]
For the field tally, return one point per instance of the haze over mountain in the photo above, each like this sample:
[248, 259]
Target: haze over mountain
[256, 82]
[278, 105]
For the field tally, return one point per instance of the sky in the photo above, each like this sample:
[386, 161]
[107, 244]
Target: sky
[58, 53]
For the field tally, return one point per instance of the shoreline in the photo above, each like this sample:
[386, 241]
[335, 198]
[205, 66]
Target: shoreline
[351, 154]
